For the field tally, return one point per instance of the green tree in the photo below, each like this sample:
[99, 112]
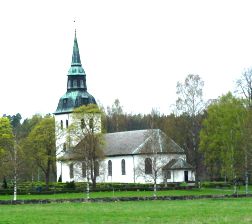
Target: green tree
[6, 135]
[29, 166]
[41, 142]
[6, 144]
[85, 139]
[221, 137]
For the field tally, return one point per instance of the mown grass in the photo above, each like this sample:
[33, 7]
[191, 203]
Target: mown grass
[202, 191]
[230, 211]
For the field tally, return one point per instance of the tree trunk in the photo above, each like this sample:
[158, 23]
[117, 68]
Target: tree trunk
[87, 188]
[155, 189]
[47, 177]
[155, 184]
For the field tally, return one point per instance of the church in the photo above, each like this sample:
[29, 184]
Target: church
[139, 156]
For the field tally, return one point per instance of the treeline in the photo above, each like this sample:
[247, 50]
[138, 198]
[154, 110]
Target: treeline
[216, 135]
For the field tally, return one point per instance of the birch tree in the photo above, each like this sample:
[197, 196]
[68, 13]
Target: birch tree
[85, 140]
[190, 104]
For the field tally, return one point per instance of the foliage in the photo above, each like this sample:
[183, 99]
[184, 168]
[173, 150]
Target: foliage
[85, 139]
[41, 143]
[5, 185]
[221, 137]
[6, 135]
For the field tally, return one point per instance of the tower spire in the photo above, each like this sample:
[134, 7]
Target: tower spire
[76, 54]
[76, 94]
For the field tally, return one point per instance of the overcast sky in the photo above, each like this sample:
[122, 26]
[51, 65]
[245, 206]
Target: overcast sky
[133, 50]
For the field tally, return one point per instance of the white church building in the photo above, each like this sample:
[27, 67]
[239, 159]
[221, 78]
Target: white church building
[139, 156]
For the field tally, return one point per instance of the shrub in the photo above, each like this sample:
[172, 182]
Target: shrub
[5, 185]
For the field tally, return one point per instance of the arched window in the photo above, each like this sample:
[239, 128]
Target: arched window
[96, 169]
[61, 125]
[81, 84]
[71, 170]
[84, 169]
[109, 168]
[75, 83]
[91, 123]
[82, 124]
[148, 166]
[69, 84]
[123, 167]
[66, 123]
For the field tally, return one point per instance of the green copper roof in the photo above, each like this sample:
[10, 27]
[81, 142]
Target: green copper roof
[76, 94]
[76, 67]
[74, 99]
[76, 54]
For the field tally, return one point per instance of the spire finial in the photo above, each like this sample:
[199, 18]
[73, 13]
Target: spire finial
[74, 28]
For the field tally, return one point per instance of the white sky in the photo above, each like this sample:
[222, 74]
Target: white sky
[134, 50]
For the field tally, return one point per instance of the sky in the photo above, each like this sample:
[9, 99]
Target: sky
[133, 50]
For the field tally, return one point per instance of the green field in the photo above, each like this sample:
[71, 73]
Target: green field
[191, 211]
[202, 191]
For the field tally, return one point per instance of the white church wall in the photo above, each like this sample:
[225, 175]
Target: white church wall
[62, 122]
[131, 174]
[164, 159]
[179, 175]
[63, 168]
[117, 175]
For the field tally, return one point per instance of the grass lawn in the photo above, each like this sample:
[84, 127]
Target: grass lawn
[191, 211]
[202, 191]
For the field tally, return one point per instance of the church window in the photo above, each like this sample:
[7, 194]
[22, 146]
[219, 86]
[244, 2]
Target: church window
[110, 168]
[76, 103]
[71, 170]
[84, 101]
[64, 101]
[168, 174]
[91, 123]
[148, 166]
[66, 123]
[82, 124]
[96, 169]
[61, 125]
[84, 169]
[81, 84]
[75, 83]
[69, 84]
[123, 167]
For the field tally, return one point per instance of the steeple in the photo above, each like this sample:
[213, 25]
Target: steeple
[76, 74]
[76, 54]
[76, 94]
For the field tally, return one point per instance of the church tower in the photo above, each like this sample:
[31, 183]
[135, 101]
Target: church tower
[75, 96]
